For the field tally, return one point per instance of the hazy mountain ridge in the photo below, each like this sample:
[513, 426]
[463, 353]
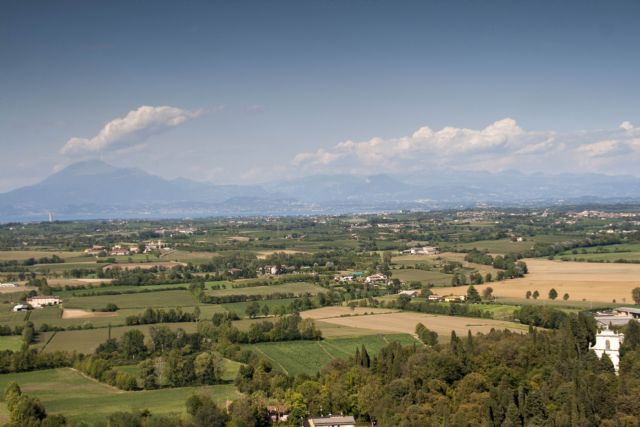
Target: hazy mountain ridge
[94, 189]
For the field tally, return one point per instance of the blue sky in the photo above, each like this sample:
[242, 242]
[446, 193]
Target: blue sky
[239, 91]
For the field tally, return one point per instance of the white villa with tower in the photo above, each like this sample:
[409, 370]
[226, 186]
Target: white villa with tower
[608, 342]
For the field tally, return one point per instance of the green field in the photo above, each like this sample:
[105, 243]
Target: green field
[140, 300]
[11, 342]
[298, 357]
[609, 253]
[296, 287]
[88, 400]
[86, 340]
[435, 277]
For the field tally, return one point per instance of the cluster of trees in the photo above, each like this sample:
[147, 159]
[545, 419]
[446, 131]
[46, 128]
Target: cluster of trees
[103, 370]
[404, 302]
[543, 316]
[151, 315]
[498, 379]
[427, 336]
[285, 328]
[225, 299]
[25, 410]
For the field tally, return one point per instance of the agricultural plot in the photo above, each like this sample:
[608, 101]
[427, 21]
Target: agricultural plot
[9, 317]
[610, 253]
[87, 340]
[424, 276]
[298, 357]
[405, 322]
[88, 400]
[503, 246]
[11, 342]
[296, 288]
[591, 282]
[23, 255]
[139, 300]
[240, 307]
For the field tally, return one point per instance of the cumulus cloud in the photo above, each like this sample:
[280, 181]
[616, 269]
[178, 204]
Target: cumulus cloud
[132, 129]
[500, 145]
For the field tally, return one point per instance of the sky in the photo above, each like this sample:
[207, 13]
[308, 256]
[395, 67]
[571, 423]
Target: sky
[259, 91]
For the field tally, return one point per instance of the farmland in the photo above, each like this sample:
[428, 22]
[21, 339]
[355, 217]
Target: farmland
[600, 283]
[88, 400]
[308, 357]
[405, 322]
[226, 274]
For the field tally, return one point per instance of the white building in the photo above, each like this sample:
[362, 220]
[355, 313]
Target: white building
[608, 342]
[8, 285]
[43, 300]
[21, 307]
[412, 293]
[425, 250]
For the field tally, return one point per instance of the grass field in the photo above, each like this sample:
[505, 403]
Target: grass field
[11, 342]
[582, 281]
[85, 399]
[298, 357]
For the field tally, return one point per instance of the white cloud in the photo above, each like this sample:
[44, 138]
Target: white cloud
[131, 129]
[501, 145]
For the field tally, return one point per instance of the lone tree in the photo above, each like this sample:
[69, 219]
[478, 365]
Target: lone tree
[528, 295]
[553, 294]
[472, 295]
[565, 297]
[536, 294]
[487, 293]
[635, 294]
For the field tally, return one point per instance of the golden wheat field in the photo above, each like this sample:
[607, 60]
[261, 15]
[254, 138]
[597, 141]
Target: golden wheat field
[598, 282]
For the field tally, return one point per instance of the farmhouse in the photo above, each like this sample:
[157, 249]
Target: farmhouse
[412, 293]
[42, 301]
[118, 250]
[608, 342]
[94, 250]
[331, 421]
[375, 278]
[425, 250]
[434, 297]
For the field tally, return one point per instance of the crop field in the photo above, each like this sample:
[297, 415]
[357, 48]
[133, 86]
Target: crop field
[424, 276]
[609, 253]
[298, 357]
[139, 300]
[22, 255]
[405, 322]
[582, 281]
[86, 340]
[297, 288]
[10, 318]
[85, 399]
[504, 246]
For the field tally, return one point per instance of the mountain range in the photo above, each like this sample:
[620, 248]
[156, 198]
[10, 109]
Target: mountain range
[97, 190]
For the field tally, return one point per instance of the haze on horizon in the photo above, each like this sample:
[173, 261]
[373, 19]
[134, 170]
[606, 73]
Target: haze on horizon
[249, 92]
